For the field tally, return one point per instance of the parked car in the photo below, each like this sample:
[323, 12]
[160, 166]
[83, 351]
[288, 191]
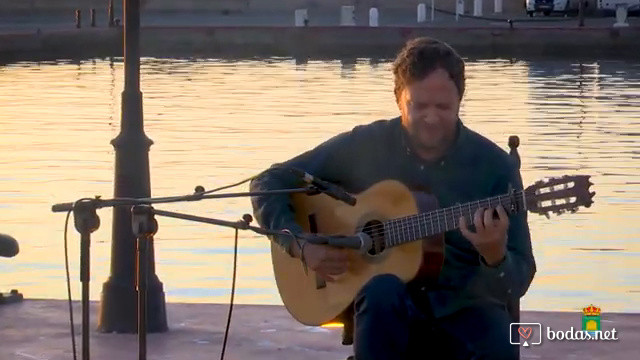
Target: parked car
[546, 6]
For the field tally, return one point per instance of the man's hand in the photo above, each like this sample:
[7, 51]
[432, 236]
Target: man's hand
[490, 237]
[325, 260]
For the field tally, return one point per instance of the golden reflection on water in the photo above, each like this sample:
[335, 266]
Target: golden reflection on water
[216, 122]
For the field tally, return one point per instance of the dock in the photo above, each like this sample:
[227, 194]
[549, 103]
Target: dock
[39, 329]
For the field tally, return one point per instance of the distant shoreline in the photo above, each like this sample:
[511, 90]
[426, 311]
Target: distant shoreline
[320, 41]
[508, 6]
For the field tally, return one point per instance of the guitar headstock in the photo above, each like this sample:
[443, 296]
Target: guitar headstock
[559, 195]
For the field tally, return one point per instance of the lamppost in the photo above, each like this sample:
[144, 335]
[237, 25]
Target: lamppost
[118, 303]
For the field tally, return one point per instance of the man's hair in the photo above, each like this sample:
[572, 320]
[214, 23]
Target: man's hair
[420, 57]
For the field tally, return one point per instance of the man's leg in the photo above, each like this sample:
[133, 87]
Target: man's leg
[485, 330]
[383, 316]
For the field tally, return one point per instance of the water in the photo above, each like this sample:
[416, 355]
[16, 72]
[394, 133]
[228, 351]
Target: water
[215, 122]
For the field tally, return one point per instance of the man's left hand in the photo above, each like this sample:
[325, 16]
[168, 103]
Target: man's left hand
[490, 237]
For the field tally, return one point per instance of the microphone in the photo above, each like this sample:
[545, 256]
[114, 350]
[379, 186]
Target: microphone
[8, 246]
[359, 241]
[326, 187]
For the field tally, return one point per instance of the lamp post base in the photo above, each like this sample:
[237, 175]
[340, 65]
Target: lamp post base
[118, 308]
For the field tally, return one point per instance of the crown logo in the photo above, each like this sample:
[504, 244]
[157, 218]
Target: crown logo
[591, 310]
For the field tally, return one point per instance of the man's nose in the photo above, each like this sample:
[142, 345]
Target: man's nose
[429, 116]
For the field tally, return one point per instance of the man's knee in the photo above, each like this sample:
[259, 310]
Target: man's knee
[381, 292]
[497, 344]
[493, 341]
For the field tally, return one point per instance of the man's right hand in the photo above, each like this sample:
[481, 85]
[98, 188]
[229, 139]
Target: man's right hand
[327, 261]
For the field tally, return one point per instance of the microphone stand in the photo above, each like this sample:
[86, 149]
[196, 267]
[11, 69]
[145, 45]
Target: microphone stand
[144, 227]
[86, 221]
[199, 195]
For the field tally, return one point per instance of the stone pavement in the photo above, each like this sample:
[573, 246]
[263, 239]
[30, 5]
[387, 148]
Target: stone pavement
[39, 329]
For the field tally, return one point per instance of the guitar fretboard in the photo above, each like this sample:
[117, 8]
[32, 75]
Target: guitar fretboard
[415, 227]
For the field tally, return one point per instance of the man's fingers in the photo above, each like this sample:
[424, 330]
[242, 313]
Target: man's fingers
[336, 270]
[502, 215]
[477, 220]
[464, 229]
[335, 254]
[488, 218]
[325, 276]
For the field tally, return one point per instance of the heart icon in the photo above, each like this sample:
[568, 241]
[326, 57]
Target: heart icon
[525, 332]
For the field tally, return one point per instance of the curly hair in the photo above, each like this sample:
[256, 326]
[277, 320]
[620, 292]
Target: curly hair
[420, 57]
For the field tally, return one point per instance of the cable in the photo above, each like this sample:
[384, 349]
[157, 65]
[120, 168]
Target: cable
[199, 192]
[274, 167]
[230, 186]
[233, 290]
[66, 266]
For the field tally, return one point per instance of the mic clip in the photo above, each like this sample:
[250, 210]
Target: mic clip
[326, 187]
[313, 190]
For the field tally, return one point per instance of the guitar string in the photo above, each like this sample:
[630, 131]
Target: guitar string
[407, 223]
[401, 224]
[438, 213]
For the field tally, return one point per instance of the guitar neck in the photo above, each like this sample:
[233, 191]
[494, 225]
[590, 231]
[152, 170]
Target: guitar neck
[415, 227]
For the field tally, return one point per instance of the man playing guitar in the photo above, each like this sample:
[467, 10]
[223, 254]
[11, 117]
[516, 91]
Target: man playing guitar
[488, 258]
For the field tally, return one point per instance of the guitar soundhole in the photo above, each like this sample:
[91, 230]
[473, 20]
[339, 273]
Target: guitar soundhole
[375, 229]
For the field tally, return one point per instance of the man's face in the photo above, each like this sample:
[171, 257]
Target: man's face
[429, 110]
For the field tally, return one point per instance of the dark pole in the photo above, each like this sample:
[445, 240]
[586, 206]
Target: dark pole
[111, 15]
[581, 13]
[118, 306]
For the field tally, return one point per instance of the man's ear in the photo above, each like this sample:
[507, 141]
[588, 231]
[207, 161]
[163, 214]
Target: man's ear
[400, 101]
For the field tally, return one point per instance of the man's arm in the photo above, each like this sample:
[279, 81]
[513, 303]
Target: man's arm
[511, 277]
[328, 161]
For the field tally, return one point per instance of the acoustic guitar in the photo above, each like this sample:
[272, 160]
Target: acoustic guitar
[405, 241]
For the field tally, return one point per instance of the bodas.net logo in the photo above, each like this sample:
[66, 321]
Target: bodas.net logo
[527, 334]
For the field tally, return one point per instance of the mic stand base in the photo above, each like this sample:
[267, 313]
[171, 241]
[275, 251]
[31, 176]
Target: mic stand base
[118, 307]
[11, 297]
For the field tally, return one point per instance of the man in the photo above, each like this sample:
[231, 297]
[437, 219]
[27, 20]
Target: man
[487, 263]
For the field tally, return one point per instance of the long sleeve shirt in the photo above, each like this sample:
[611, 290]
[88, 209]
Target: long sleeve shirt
[473, 168]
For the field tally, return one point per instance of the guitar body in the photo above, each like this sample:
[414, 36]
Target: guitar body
[310, 300]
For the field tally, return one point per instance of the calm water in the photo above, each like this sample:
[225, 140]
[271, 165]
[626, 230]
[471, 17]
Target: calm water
[217, 122]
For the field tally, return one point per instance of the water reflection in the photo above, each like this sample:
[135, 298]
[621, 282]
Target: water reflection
[215, 122]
